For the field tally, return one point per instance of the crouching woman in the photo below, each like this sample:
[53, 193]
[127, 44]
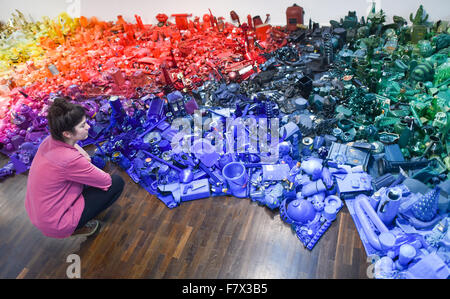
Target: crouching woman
[65, 191]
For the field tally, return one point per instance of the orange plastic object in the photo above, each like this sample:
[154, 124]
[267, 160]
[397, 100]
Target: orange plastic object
[84, 22]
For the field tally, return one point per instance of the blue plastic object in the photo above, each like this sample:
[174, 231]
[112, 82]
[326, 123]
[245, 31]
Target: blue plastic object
[236, 176]
[301, 211]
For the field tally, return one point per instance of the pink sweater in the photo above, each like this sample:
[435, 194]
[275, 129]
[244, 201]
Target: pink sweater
[56, 179]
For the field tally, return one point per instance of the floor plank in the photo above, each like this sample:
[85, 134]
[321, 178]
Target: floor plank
[140, 237]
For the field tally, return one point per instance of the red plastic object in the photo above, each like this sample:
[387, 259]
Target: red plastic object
[294, 17]
[147, 64]
[250, 22]
[257, 21]
[261, 31]
[162, 18]
[181, 20]
[103, 58]
[235, 18]
[139, 22]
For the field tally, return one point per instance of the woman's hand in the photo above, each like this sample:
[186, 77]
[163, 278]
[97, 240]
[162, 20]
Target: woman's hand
[82, 151]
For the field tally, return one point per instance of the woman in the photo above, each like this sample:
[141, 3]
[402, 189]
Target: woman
[65, 190]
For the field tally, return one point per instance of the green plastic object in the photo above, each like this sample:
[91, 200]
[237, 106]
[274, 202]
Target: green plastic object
[350, 21]
[418, 32]
[447, 162]
[345, 111]
[418, 29]
[442, 73]
[396, 86]
[405, 137]
[416, 116]
[420, 18]
[440, 120]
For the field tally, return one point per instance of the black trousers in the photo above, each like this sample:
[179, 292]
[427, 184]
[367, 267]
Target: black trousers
[97, 200]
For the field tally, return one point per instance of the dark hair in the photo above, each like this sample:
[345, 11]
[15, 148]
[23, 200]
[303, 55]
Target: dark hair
[64, 116]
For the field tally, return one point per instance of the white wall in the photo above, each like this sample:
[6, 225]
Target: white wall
[320, 11]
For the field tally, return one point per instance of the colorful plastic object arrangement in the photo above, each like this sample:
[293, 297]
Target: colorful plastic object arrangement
[362, 111]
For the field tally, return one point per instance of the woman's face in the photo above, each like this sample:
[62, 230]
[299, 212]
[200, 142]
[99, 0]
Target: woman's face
[81, 131]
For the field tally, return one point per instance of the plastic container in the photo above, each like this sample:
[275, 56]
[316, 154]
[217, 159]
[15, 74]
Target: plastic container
[294, 17]
[237, 178]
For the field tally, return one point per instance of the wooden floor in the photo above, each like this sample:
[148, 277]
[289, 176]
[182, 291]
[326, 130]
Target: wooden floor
[221, 237]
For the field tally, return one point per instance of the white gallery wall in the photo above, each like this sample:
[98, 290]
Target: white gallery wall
[320, 11]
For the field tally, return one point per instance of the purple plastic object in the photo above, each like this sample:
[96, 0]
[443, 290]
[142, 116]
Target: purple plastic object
[318, 234]
[425, 209]
[7, 170]
[19, 166]
[236, 176]
[91, 107]
[224, 160]
[191, 106]
[156, 108]
[284, 148]
[117, 109]
[353, 184]
[301, 211]
[317, 197]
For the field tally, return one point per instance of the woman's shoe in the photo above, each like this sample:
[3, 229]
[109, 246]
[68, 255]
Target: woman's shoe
[88, 229]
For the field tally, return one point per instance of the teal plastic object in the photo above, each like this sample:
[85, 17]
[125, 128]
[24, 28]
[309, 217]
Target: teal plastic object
[424, 71]
[441, 41]
[425, 48]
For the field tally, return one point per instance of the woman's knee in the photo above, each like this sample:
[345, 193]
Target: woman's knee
[117, 183]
